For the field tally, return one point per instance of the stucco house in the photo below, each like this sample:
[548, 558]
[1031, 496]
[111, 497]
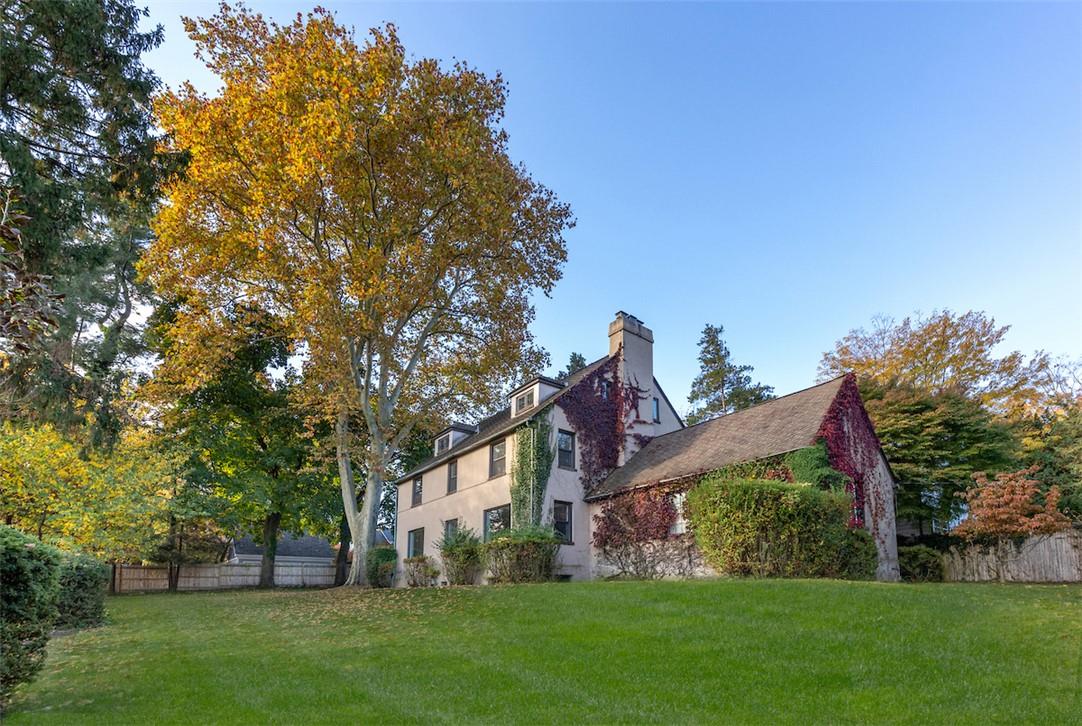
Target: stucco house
[467, 481]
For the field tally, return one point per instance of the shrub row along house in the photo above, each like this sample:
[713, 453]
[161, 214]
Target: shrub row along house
[563, 452]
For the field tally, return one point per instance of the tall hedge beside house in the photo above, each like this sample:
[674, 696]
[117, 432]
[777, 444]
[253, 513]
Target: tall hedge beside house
[769, 528]
[81, 599]
[28, 589]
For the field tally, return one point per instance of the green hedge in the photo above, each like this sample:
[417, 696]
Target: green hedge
[461, 555]
[28, 591]
[768, 528]
[522, 554]
[920, 563]
[83, 584]
[379, 566]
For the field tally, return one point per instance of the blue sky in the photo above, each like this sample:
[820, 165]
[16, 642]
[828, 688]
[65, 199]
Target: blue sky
[786, 170]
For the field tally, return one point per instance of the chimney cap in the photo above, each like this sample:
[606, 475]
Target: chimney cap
[628, 316]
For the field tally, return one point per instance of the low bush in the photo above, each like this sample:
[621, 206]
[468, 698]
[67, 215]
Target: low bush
[461, 555]
[379, 566]
[522, 554]
[28, 589]
[768, 528]
[920, 564]
[421, 571]
[83, 583]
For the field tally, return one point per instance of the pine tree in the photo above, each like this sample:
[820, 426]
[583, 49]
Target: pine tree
[576, 362]
[722, 386]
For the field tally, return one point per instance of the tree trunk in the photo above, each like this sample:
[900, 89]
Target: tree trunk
[349, 498]
[270, 548]
[369, 514]
[174, 576]
[341, 562]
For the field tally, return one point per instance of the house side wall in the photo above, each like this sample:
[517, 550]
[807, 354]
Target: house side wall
[566, 485]
[476, 492]
[880, 518]
[862, 448]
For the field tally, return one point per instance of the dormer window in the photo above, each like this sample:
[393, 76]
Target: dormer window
[443, 443]
[524, 401]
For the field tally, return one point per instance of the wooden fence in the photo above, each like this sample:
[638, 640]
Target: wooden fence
[1044, 558]
[221, 576]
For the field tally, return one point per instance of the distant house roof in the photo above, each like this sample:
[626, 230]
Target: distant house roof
[498, 424]
[288, 546]
[774, 427]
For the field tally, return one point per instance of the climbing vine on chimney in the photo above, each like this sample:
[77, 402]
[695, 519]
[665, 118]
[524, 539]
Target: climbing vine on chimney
[597, 408]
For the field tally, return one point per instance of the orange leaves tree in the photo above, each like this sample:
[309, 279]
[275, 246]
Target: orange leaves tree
[368, 201]
[1010, 505]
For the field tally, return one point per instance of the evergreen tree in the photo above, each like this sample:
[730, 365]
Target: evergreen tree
[576, 362]
[722, 386]
[77, 153]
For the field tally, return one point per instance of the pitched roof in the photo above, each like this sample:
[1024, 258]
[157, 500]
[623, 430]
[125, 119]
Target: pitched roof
[774, 427]
[498, 424]
[288, 546]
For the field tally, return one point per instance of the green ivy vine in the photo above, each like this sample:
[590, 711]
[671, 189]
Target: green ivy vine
[534, 453]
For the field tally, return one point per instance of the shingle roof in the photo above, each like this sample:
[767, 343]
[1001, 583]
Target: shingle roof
[775, 427]
[498, 424]
[288, 546]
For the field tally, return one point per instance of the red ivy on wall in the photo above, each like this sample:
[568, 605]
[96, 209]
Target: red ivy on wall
[600, 418]
[634, 517]
[851, 443]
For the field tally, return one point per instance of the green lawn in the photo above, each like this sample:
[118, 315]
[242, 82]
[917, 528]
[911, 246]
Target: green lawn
[734, 650]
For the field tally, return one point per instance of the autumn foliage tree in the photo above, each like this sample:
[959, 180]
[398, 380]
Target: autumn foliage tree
[366, 200]
[944, 352]
[1011, 505]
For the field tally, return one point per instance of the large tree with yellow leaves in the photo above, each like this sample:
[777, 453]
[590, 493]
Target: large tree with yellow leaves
[368, 201]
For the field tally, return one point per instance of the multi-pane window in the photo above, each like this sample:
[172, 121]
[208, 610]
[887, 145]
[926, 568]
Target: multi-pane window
[443, 443]
[415, 542]
[497, 458]
[417, 487]
[606, 389]
[680, 525]
[496, 519]
[452, 476]
[561, 520]
[565, 450]
[657, 411]
[524, 401]
[450, 527]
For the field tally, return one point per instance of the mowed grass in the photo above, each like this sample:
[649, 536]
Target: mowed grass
[672, 652]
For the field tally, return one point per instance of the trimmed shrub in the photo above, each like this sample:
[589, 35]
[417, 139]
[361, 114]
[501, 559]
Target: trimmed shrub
[920, 564]
[522, 554]
[768, 528]
[858, 557]
[421, 571]
[379, 566]
[461, 555]
[28, 590]
[83, 582]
